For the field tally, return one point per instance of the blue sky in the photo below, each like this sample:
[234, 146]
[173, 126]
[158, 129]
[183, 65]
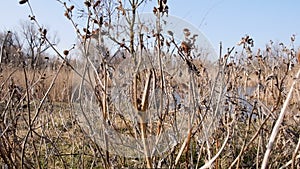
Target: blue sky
[219, 20]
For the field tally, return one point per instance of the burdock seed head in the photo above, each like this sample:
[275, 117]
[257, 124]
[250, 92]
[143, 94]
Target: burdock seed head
[22, 1]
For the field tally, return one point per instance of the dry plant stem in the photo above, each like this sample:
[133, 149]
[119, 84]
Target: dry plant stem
[158, 32]
[244, 146]
[86, 44]
[193, 98]
[259, 144]
[199, 155]
[29, 116]
[132, 23]
[289, 162]
[186, 140]
[105, 115]
[88, 81]
[142, 120]
[211, 161]
[36, 115]
[295, 153]
[222, 88]
[278, 123]
[187, 148]
[159, 59]
[28, 98]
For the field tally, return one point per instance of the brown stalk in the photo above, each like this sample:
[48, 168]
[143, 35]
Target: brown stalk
[183, 146]
[143, 124]
[105, 115]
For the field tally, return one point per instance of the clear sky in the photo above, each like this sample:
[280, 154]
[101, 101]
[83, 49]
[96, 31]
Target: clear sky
[219, 20]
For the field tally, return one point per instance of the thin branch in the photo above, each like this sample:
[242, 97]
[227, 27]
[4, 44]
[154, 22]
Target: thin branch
[212, 160]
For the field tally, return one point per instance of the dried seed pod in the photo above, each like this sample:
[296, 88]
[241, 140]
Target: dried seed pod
[87, 3]
[168, 43]
[96, 4]
[166, 9]
[101, 21]
[185, 47]
[32, 18]
[170, 33]
[186, 32]
[85, 37]
[293, 37]
[95, 21]
[70, 9]
[67, 15]
[160, 8]
[250, 42]
[154, 10]
[86, 31]
[44, 32]
[23, 1]
[66, 52]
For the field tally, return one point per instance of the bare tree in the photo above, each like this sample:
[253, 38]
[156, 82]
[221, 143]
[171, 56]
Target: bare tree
[35, 46]
[11, 48]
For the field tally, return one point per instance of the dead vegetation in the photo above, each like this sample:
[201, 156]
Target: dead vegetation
[144, 107]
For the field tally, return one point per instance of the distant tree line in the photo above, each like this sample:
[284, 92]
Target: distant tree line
[25, 47]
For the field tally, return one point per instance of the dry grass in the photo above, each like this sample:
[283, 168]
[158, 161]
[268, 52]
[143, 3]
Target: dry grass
[63, 118]
[39, 82]
[249, 108]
